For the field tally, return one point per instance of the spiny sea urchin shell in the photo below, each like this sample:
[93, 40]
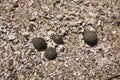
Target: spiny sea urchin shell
[57, 39]
[50, 53]
[39, 43]
[90, 37]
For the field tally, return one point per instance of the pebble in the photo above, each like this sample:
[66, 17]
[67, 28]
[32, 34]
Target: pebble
[99, 22]
[11, 36]
[30, 3]
[114, 32]
[80, 36]
[60, 48]
[59, 17]
[26, 34]
[50, 33]
[15, 4]
[31, 27]
[33, 18]
[92, 21]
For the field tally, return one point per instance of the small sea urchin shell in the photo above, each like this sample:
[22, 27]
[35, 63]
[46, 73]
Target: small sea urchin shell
[90, 37]
[39, 43]
[57, 39]
[50, 53]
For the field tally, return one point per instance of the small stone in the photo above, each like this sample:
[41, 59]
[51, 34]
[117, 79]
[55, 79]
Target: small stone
[80, 36]
[30, 3]
[60, 17]
[21, 77]
[57, 39]
[32, 18]
[90, 37]
[31, 27]
[50, 53]
[10, 62]
[60, 48]
[99, 22]
[76, 0]
[15, 5]
[26, 34]
[117, 21]
[11, 37]
[51, 33]
[39, 43]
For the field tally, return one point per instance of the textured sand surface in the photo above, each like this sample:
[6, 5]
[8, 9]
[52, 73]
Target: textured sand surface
[22, 20]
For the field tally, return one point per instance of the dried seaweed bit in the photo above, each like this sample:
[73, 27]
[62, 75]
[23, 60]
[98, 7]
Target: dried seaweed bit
[39, 43]
[57, 39]
[50, 53]
[90, 37]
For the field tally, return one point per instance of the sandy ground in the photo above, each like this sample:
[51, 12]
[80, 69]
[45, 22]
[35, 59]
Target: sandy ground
[22, 20]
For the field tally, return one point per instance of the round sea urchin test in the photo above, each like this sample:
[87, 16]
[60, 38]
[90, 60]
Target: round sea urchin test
[39, 43]
[90, 37]
[50, 53]
[57, 39]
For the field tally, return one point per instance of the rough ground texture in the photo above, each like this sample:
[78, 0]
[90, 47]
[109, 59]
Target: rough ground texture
[22, 20]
